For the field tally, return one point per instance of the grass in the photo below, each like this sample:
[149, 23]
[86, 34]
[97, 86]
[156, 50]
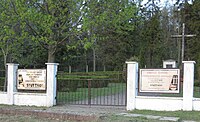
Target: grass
[117, 118]
[183, 115]
[82, 93]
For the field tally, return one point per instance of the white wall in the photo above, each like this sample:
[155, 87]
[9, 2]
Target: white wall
[185, 103]
[169, 63]
[3, 98]
[196, 104]
[30, 99]
[12, 97]
[158, 103]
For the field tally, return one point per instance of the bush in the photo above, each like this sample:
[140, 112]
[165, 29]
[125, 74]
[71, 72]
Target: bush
[66, 85]
[114, 76]
[99, 83]
[197, 83]
[69, 82]
[2, 80]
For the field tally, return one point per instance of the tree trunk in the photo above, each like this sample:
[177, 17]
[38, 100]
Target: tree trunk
[5, 81]
[94, 60]
[86, 63]
[5, 53]
[51, 54]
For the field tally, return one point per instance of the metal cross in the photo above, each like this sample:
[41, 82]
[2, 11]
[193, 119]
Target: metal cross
[183, 40]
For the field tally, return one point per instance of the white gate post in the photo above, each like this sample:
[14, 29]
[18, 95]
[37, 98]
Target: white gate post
[11, 81]
[188, 85]
[132, 85]
[51, 83]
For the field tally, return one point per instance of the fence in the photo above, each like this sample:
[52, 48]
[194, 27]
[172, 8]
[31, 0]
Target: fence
[187, 102]
[99, 88]
[2, 80]
[197, 89]
[15, 97]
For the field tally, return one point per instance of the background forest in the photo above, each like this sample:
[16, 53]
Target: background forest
[97, 34]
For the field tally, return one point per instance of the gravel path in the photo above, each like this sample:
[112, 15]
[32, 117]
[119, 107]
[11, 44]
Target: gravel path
[59, 113]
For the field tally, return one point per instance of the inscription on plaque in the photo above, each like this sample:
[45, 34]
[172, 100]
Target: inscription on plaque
[31, 79]
[159, 80]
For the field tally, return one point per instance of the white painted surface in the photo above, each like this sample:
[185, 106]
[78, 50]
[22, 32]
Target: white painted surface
[188, 85]
[30, 99]
[133, 101]
[187, 103]
[132, 84]
[51, 83]
[12, 79]
[158, 103]
[12, 97]
[3, 98]
[169, 62]
[196, 104]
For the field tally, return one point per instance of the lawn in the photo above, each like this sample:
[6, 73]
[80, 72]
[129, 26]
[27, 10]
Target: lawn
[183, 115]
[82, 93]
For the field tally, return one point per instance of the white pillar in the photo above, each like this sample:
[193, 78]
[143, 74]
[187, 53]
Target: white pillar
[132, 85]
[188, 85]
[51, 83]
[12, 82]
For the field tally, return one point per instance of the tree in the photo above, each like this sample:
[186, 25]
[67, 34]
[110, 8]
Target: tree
[107, 25]
[50, 23]
[151, 35]
[9, 45]
[192, 20]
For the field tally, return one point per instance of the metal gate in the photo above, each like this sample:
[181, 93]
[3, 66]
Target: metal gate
[3, 80]
[91, 91]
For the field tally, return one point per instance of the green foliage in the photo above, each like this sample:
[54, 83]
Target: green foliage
[72, 81]
[8, 41]
[49, 23]
[68, 85]
[197, 83]
[189, 14]
[113, 75]
[107, 25]
[108, 31]
[2, 79]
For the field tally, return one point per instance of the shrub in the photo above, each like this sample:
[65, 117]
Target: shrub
[71, 81]
[114, 76]
[197, 83]
[2, 79]
[66, 85]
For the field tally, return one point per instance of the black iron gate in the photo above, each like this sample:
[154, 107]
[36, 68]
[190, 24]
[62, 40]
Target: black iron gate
[90, 91]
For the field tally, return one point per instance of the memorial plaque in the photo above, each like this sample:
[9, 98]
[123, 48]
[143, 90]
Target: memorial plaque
[31, 79]
[159, 80]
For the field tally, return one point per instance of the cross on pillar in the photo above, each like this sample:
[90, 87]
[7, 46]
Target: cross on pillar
[183, 40]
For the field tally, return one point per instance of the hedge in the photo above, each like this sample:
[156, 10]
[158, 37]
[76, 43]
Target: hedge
[66, 85]
[2, 80]
[71, 81]
[117, 76]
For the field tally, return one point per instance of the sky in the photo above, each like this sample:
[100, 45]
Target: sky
[162, 2]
